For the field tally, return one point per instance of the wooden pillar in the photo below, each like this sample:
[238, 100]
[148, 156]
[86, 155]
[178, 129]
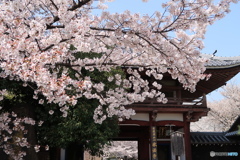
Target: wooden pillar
[153, 135]
[154, 143]
[188, 151]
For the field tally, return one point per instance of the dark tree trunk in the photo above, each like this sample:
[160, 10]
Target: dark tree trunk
[3, 155]
[27, 110]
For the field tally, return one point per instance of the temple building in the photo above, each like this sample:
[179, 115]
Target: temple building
[163, 130]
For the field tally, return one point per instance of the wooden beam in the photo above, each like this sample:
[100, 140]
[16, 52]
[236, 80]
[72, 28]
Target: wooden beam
[135, 122]
[179, 109]
[146, 123]
[163, 123]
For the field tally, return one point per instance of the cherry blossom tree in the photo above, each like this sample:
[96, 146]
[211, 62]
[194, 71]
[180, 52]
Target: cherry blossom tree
[35, 40]
[223, 113]
[36, 36]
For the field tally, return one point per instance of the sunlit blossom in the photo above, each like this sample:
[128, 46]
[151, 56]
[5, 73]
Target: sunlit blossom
[51, 112]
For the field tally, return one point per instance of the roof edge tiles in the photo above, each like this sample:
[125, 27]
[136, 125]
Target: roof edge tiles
[210, 138]
[234, 133]
[221, 62]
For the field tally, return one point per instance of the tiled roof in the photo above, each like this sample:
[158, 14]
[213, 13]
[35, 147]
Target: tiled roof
[221, 62]
[229, 137]
[210, 138]
[234, 133]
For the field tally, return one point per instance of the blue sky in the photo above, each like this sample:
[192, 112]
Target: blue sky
[223, 35]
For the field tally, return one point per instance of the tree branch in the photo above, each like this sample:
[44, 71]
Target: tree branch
[52, 45]
[54, 5]
[80, 4]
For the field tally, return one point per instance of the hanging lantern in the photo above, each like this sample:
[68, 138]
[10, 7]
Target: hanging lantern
[177, 143]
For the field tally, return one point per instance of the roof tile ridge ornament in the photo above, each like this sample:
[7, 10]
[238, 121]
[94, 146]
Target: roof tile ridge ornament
[213, 55]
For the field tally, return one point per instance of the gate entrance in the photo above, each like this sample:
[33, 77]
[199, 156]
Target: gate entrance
[121, 150]
[164, 150]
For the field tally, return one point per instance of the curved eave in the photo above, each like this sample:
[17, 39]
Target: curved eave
[223, 67]
[219, 77]
[221, 62]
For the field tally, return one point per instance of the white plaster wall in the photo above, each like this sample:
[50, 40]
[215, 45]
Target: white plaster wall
[169, 116]
[141, 116]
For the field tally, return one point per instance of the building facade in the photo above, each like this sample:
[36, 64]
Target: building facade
[163, 130]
